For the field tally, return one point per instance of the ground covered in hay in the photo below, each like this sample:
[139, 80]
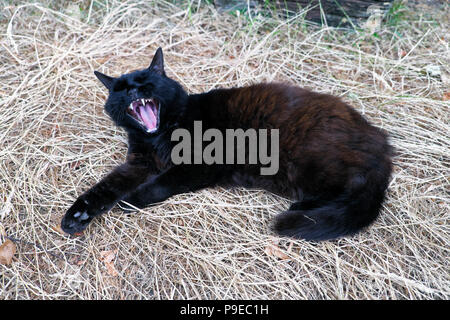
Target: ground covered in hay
[56, 141]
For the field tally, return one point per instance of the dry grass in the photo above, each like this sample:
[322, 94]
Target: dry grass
[56, 141]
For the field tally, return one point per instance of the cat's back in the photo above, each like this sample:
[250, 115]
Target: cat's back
[277, 105]
[311, 124]
[303, 116]
[323, 141]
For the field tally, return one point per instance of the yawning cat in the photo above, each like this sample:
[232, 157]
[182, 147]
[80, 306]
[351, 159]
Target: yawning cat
[332, 162]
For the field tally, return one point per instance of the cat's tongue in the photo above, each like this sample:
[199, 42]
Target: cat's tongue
[148, 116]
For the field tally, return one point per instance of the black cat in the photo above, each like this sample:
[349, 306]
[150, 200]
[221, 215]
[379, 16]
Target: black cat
[332, 162]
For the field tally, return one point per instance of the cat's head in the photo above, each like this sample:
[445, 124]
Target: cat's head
[144, 101]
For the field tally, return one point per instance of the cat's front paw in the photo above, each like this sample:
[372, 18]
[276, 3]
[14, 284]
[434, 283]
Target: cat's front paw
[77, 217]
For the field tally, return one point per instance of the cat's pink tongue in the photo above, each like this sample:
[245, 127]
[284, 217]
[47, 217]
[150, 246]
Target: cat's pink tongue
[148, 117]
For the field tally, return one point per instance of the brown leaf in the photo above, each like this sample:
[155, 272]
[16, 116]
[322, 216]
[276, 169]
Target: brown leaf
[58, 229]
[102, 60]
[108, 259]
[402, 53]
[446, 96]
[274, 250]
[7, 251]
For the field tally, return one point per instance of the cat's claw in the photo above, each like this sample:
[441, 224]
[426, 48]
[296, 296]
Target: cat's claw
[77, 217]
[81, 215]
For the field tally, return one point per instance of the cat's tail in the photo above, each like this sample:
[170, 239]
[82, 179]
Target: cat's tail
[345, 215]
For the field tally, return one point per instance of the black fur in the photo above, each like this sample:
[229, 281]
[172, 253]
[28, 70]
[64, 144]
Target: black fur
[332, 162]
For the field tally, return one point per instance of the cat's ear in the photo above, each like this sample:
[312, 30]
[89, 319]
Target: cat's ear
[157, 64]
[106, 80]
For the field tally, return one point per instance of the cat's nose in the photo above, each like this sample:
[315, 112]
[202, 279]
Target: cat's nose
[133, 93]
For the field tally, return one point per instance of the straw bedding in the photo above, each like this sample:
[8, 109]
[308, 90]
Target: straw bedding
[56, 141]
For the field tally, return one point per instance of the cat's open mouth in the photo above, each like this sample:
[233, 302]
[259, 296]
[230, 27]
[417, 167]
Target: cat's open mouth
[146, 113]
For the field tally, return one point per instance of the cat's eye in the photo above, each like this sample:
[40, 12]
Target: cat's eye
[120, 86]
[149, 86]
[140, 79]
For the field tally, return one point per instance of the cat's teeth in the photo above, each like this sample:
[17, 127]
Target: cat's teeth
[131, 106]
[143, 101]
